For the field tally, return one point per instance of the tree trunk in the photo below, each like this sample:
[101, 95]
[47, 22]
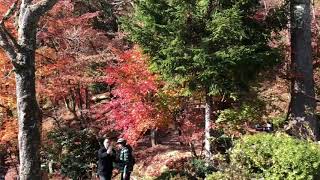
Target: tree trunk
[207, 129]
[153, 137]
[21, 51]
[303, 122]
[29, 125]
[27, 106]
[3, 165]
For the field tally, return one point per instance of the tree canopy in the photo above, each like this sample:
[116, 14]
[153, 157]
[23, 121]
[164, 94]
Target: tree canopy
[214, 46]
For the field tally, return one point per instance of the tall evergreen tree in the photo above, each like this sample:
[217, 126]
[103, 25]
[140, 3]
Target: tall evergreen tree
[208, 46]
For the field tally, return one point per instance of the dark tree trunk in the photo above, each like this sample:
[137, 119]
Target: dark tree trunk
[87, 99]
[153, 137]
[207, 129]
[303, 122]
[3, 165]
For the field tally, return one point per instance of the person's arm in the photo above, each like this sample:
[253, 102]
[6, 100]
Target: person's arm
[102, 153]
[114, 156]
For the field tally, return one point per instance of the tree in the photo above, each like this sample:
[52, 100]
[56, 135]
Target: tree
[64, 144]
[56, 55]
[136, 104]
[68, 43]
[212, 47]
[303, 103]
[21, 51]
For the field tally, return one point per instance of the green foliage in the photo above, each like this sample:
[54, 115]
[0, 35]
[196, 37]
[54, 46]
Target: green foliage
[174, 175]
[74, 150]
[99, 87]
[200, 167]
[222, 144]
[217, 176]
[277, 156]
[230, 173]
[215, 47]
[191, 168]
[278, 17]
[247, 112]
[105, 21]
[279, 121]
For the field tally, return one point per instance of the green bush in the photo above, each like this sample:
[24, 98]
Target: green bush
[277, 156]
[175, 175]
[200, 168]
[279, 121]
[227, 176]
[247, 112]
[74, 150]
[187, 168]
[222, 143]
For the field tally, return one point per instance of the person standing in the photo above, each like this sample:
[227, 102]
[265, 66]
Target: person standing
[106, 157]
[126, 159]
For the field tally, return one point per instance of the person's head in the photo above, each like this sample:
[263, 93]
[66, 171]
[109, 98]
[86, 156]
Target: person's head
[106, 143]
[121, 142]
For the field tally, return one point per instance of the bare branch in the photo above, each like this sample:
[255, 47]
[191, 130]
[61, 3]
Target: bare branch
[57, 120]
[10, 37]
[6, 45]
[42, 7]
[10, 12]
[7, 109]
[2, 106]
[6, 38]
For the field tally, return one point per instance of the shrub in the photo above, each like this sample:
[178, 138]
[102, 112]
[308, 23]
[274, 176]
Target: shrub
[279, 121]
[200, 168]
[230, 173]
[190, 168]
[74, 150]
[222, 143]
[277, 156]
[175, 175]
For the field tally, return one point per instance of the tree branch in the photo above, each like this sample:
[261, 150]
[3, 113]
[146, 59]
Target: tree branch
[6, 45]
[42, 7]
[10, 12]
[57, 121]
[8, 110]
[209, 9]
[2, 106]
[7, 41]
[10, 37]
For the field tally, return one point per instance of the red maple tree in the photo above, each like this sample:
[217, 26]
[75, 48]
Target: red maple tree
[136, 105]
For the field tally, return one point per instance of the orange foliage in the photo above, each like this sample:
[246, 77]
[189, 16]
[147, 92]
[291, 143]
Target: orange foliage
[136, 106]
[8, 128]
[8, 131]
[67, 44]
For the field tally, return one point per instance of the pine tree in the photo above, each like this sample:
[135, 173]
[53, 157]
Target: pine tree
[209, 46]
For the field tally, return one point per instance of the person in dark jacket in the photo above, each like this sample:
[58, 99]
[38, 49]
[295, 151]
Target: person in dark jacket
[125, 160]
[106, 157]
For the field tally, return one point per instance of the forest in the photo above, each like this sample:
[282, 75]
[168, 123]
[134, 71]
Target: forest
[199, 89]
